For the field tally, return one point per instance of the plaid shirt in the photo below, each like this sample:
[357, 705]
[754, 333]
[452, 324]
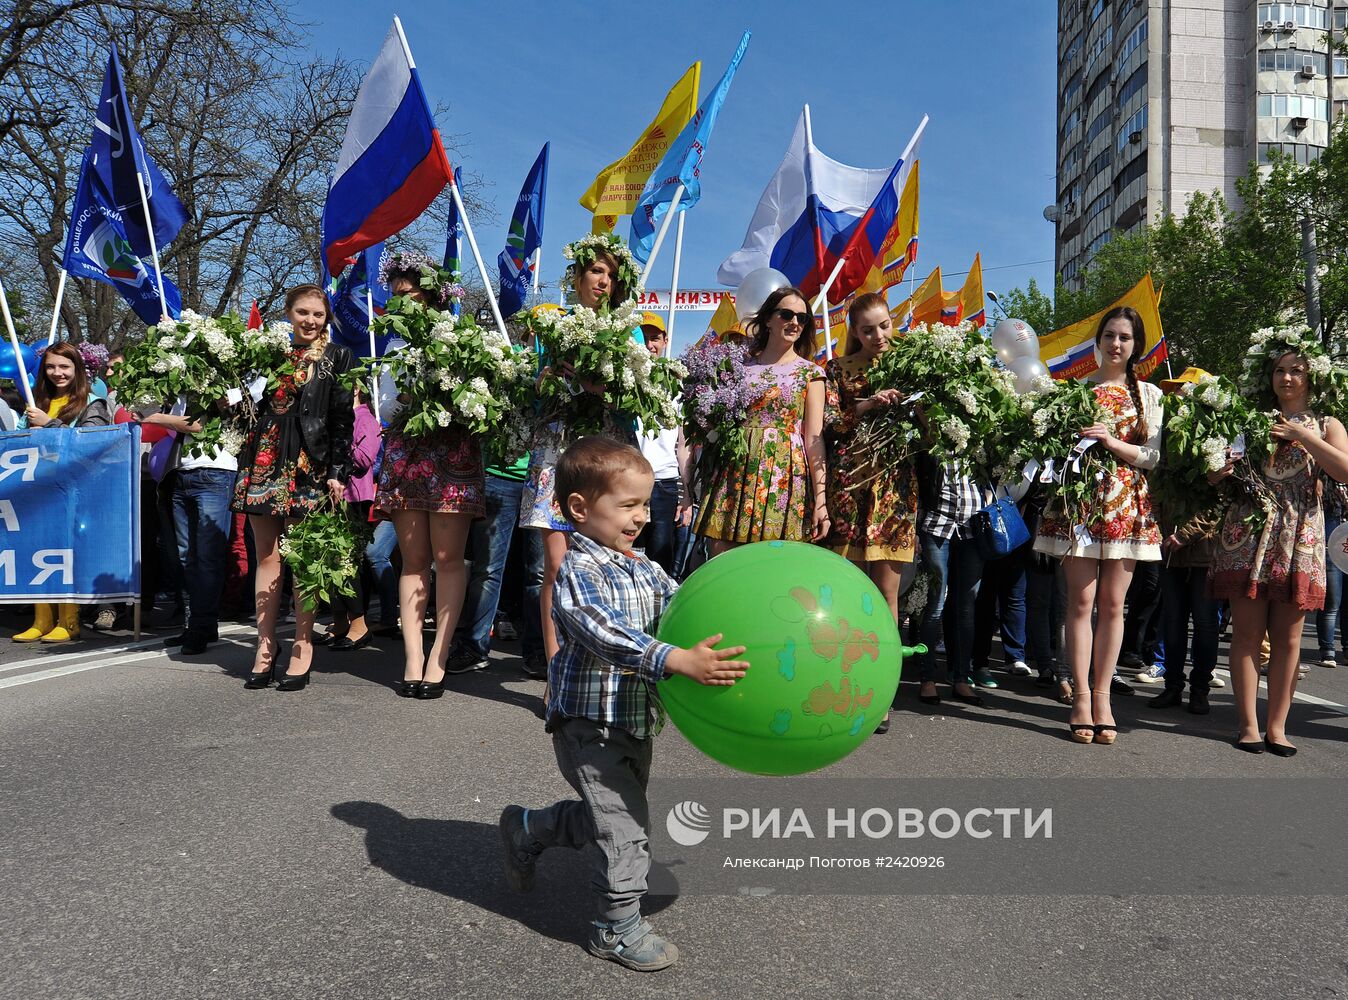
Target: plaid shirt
[606, 605]
[957, 500]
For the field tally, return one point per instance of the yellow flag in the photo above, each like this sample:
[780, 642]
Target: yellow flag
[967, 303]
[899, 248]
[618, 186]
[924, 307]
[1070, 352]
[723, 321]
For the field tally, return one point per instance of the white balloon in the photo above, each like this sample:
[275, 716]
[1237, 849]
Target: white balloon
[1014, 338]
[755, 289]
[1336, 547]
[1027, 370]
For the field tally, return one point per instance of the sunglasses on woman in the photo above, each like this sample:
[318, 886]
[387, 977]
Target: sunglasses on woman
[786, 316]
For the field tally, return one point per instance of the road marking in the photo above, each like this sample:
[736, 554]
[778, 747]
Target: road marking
[75, 668]
[1311, 699]
[105, 650]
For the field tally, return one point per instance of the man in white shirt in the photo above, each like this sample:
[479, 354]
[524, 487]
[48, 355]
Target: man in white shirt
[671, 510]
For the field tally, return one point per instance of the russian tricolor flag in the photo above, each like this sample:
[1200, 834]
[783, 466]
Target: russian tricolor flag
[392, 163]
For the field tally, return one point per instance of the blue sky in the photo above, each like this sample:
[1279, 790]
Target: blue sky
[589, 77]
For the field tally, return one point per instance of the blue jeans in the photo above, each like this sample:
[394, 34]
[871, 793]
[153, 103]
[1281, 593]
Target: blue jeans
[201, 522]
[956, 569]
[1001, 600]
[380, 555]
[662, 539]
[490, 540]
[1184, 593]
[1327, 620]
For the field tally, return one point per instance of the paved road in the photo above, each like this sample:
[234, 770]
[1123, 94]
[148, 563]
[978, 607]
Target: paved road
[169, 834]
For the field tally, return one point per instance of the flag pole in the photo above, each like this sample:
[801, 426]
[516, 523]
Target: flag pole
[14, 346]
[56, 312]
[154, 250]
[674, 288]
[820, 303]
[477, 256]
[664, 228]
[538, 264]
[369, 326]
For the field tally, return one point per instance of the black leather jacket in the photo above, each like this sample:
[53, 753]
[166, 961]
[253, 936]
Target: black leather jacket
[326, 415]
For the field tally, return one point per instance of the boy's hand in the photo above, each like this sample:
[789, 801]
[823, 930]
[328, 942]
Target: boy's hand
[707, 665]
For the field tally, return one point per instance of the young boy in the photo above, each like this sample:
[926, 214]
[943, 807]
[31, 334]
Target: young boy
[604, 706]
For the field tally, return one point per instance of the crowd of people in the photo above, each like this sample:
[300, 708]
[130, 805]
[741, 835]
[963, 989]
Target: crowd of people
[1141, 588]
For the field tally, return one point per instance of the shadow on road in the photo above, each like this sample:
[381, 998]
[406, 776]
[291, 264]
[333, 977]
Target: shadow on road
[462, 859]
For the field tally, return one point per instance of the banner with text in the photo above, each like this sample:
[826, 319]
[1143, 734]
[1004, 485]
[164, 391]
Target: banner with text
[686, 300]
[70, 514]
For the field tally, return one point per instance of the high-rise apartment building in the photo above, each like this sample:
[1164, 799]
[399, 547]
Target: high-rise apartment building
[1159, 99]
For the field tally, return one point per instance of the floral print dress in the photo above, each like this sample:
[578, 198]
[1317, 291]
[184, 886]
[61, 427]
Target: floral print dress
[1284, 559]
[767, 495]
[1122, 524]
[440, 472]
[874, 517]
[276, 475]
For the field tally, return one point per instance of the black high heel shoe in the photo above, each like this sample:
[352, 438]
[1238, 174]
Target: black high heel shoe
[259, 679]
[344, 644]
[294, 682]
[427, 691]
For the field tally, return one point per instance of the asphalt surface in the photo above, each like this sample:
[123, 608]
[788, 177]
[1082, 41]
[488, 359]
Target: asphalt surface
[170, 834]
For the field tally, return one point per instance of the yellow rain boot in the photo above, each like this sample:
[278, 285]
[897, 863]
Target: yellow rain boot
[43, 621]
[67, 626]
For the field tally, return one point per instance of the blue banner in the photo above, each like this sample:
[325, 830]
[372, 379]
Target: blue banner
[350, 316]
[515, 263]
[70, 514]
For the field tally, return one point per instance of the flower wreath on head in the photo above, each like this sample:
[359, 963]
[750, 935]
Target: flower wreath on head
[1328, 390]
[582, 252]
[440, 287]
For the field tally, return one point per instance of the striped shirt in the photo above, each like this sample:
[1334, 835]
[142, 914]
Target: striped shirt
[606, 605]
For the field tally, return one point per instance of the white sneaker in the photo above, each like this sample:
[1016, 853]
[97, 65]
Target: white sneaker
[1154, 674]
[1019, 669]
[1330, 662]
[1217, 681]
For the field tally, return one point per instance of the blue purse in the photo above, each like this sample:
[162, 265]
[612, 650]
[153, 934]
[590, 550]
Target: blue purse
[998, 529]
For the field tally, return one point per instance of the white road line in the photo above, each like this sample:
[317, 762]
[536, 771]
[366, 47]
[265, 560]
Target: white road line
[1311, 699]
[104, 650]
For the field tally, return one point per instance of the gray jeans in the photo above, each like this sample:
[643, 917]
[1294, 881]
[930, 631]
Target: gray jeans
[610, 769]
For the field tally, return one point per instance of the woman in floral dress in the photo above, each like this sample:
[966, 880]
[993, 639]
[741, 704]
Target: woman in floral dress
[1274, 573]
[431, 486]
[297, 457]
[1099, 557]
[604, 275]
[873, 511]
[778, 490]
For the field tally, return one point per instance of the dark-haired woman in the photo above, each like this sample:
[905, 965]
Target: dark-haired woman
[298, 455]
[778, 490]
[1099, 557]
[62, 398]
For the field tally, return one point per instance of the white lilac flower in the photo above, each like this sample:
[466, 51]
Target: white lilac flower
[232, 440]
[1214, 454]
[1319, 366]
[956, 432]
[1187, 389]
[442, 417]
[1040, 421]
[1042, 383]
[966, 399]
[444, 330]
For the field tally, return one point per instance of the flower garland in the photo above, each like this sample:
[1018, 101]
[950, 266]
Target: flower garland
[1328, 389]
[581, 253]
[441, 288]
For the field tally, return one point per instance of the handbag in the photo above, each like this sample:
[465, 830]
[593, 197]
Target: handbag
[998, 529]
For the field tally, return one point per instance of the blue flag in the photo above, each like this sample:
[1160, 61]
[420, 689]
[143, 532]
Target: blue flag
[524, 238]
[97, 247]
[350, 307]
[118, 155]
[681, 165]
[453, 262]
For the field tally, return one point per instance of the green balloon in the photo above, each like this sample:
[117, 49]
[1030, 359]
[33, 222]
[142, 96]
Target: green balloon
[825, 657]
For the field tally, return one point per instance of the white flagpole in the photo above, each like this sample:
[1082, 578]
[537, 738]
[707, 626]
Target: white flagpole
[154, 250]
[538, 265]
[56, 313]
[374, 353]
[14, 345]
[821, 303]
[674, 288]
[477, 255]
[664, 228]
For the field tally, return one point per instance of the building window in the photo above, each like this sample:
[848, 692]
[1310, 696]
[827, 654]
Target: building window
[1297, 151]
[1303, 15]
[1135, 169]
[1099, 205]
[1134, 84]
[1341, 63]
[1071, 165]
[1135, 38]
[1098, 242]
[1293, 60]
[1340, 18]
[1073, 85]
[1101, 162]
[1293, 106]
[1097, 9]
[1137, 122]
[1073, 120]
[1101, 45]
[1097, 87]
[1073, 48]
[1126, 8]
[1100, 123]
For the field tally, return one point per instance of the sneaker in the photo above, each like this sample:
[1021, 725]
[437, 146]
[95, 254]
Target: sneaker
[1117, 685]
[1019, 668]
[505, 630]
[1217, 681]
[107, 620]
[517, 858]
[1328, 661]
[464, 661]
[637, 947]
[536, 665]
[984, 679]
[1130, 662]
[1154, 674]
